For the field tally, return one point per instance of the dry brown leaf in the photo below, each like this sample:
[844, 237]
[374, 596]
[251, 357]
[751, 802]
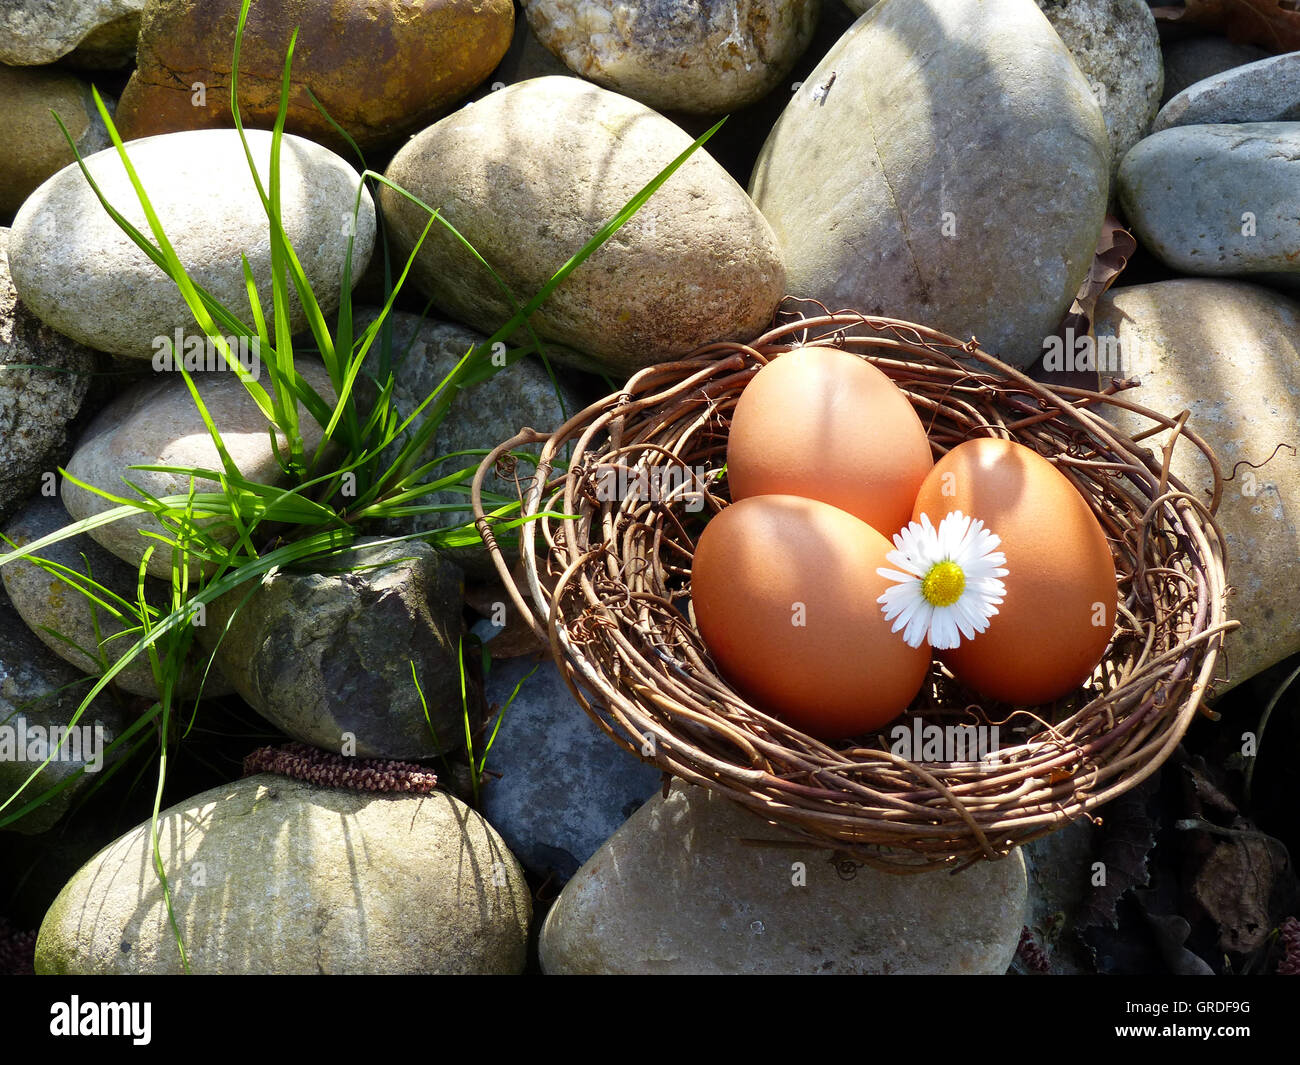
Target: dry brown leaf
[1115, 247]
[1271, 24]
[1127, 836]
[1235, 884]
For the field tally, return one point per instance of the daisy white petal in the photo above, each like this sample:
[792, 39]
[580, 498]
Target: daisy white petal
[947, 584]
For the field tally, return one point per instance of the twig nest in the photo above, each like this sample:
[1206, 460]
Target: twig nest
[610, 588]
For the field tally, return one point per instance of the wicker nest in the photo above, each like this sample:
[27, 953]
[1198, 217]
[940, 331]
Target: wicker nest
[609, 590]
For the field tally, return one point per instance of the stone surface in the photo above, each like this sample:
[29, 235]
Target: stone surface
[697, 56]
[328, 655]
[564, 787]
[1230, 353]
[1217, 199]
[380, 68]
[500, 625]
[36, 147]
[1193, 59]
[35, 32]
[39, 691]
[1060, 872]
[80, 273]
[109, 47]
[44, 378]
[966, 191]
[155, 422]
[485, 415]
[1117, 48]
[526, 58]
[544, 164]
[1265, 91]
[271, 875]
[90, 634]
[676, 890]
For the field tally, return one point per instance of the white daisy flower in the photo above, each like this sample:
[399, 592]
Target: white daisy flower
[949, 587]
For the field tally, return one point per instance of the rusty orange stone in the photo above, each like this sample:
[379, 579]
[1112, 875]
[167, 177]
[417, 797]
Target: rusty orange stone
[381, 68]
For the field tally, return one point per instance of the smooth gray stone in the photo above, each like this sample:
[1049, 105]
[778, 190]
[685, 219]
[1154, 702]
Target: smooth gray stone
[90, 633]
[680, 889]
[75, 268]
[328, 656]
[1230, 353]
[1218, 200]
[275, 876]
[156, 422]
[543, 164]
[964, 191]
[41, 692]
[564, 787]
[1264, 91]
[1194, 59]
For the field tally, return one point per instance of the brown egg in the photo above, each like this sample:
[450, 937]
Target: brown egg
[825, 424]
[1059, 609]
[784, 592]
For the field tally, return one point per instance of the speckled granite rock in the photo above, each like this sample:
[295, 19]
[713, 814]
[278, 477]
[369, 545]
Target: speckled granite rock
[1117, 48]
[488, 413]
[44, 378]
[36, 32]
[697, 56]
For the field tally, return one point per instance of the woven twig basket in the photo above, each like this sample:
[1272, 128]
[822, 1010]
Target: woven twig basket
[608, 588]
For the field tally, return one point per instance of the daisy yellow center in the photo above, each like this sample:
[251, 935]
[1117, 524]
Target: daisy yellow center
[943, 585]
